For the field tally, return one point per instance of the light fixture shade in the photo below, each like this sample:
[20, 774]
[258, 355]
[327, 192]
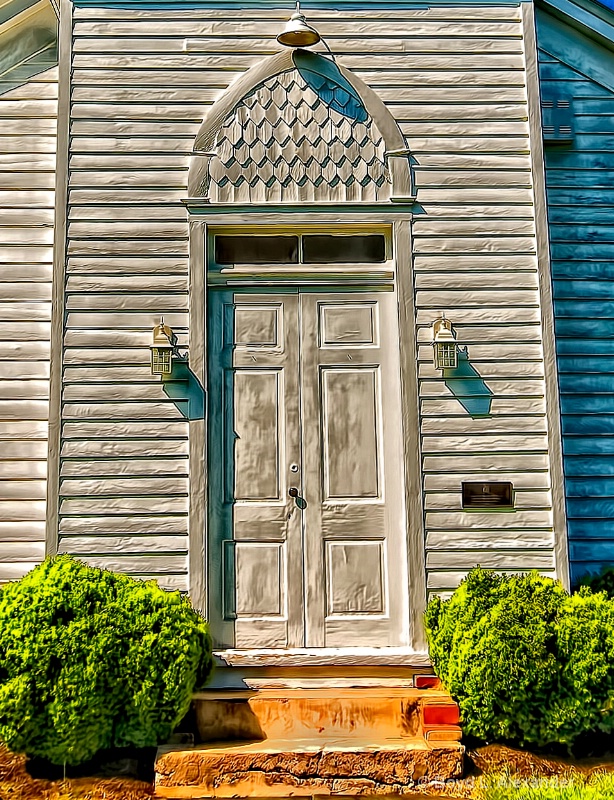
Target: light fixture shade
[298, 33]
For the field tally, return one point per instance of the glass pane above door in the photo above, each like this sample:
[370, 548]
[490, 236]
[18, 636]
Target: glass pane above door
[323, 249]
[300, 249]
[256, 249]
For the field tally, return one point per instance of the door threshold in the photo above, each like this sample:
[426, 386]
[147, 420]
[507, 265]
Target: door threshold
[324, 656]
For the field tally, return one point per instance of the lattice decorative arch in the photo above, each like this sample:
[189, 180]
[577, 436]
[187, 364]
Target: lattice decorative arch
[297, 128]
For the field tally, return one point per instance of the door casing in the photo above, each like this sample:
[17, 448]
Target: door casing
[397, 217]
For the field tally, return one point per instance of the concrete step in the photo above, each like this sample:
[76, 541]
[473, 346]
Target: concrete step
[305, 767]
[284, 713]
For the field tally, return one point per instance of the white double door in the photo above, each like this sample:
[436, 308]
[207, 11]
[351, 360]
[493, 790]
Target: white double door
[307, 540]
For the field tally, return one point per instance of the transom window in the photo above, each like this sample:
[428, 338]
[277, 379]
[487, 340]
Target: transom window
[301, 249]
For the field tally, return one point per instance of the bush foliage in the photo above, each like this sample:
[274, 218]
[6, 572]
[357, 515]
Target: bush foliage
[601, 582]
[90, 660]
[526, 662]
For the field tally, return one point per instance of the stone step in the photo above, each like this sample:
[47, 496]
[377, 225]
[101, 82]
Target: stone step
[306, 741]
[305, 767]
[346, 712]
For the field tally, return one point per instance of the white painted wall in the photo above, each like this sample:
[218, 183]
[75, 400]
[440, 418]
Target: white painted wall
[27, 177]
[455, 79]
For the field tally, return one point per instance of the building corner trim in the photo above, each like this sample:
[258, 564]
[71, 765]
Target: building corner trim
[198, 485]
[59, 266]
[553, 414]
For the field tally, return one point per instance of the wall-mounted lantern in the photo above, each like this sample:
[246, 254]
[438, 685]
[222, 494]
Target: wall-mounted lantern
[162, 349]
[444, 344]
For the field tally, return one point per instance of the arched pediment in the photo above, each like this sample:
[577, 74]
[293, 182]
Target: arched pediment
[299, 128]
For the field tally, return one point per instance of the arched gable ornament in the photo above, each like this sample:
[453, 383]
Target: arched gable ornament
[297, 128]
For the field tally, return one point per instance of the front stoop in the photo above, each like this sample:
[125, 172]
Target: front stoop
[307, 742]
[278, 768]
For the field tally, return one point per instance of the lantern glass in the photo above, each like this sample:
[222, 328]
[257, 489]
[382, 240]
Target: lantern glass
[446, 355]
[161, 363]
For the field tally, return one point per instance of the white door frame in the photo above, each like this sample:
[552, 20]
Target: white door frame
[398, 217]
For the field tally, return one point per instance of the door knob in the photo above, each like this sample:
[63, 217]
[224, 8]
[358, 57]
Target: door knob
[300, 501]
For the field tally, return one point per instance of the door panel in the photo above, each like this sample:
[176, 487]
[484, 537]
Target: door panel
[262, 590]
[348, 324]
[355, 573]
[258, 417]
[350, 410]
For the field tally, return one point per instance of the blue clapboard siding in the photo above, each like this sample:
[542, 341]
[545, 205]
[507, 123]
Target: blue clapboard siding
[580, 187]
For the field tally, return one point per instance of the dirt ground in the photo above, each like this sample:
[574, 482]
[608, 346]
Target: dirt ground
[17, 784]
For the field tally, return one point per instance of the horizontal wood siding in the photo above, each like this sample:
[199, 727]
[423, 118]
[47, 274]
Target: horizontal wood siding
[27, 177]
[475, 259]
[454, 77]
[581, 214]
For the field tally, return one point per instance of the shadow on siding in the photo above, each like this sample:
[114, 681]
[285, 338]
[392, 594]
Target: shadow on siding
[467, 386]
[186, 391]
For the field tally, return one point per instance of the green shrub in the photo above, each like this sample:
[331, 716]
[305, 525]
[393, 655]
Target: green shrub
[526, 662]
[585, 652]
[90, 660]
[447, 622]
[502, 668]
[505, 787]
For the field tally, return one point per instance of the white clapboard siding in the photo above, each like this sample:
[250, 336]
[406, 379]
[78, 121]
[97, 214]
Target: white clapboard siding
[22, 490]
[490, 370]
[115, 391]
[122, 505]
[534, 480]
[93, 545]
[497, 279]
[20, 471]
[498, 538]
[449, 408]
[118, 525]
[125, 428]
[154, 412]
[132, 467]
[500, 387]
[523, 559]
[123, 448]
[454, 77]
[490, 334]
[452, 501]
[511, 424]
[115, 487]
[27, 178]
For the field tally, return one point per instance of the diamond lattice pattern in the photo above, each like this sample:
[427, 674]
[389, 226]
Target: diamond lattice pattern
[286, 142]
